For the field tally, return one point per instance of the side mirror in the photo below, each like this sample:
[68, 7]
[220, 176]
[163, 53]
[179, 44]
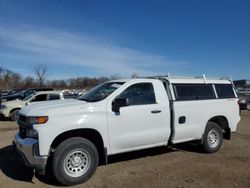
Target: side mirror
[27, 103]
[118, 103]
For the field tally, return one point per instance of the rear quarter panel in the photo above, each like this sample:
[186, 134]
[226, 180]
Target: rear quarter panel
[199, 112]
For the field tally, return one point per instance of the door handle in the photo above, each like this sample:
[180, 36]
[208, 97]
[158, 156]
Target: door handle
[155, 111]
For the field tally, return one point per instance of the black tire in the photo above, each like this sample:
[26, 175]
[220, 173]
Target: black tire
[67, 157]
[212, 138]
[13, 116]
[248, 106]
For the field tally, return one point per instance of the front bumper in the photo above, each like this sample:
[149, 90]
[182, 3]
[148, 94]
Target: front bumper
[28, 148]
[4, 113]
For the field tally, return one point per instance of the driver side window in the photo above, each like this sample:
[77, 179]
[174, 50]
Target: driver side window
[42, 97]
[140, 94]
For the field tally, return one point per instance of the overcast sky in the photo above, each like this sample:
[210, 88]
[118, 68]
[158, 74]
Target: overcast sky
[147, 37]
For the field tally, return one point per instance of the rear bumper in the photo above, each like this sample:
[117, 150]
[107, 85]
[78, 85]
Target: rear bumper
[28, 149]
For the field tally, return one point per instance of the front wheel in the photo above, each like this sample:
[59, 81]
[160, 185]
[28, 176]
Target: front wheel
[14, 115]
[75, 161]
[212, 138]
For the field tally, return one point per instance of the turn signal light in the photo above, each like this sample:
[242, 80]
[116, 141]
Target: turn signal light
[42, 120]
[38, 120]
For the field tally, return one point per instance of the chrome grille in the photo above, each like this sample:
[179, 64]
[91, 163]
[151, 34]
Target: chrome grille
[22, 125]
[22, 118]
[22, 131]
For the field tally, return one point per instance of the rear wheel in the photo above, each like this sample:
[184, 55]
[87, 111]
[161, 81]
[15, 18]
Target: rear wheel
[248, 106]
[212, 138]
[75, 161]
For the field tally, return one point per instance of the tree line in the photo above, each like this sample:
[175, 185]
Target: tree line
[10, 80]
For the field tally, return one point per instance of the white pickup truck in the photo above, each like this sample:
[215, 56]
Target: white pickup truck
[125, 115]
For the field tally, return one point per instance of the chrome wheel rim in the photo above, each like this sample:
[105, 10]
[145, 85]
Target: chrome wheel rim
[213, 138]
[76, 162]
[16, 116]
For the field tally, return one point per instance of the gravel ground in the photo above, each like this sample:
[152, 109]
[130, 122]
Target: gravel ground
[180, 166]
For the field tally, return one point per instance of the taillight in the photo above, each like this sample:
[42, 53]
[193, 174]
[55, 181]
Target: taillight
[238, 102]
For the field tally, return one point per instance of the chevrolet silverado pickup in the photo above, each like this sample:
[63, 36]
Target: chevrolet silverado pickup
[121, 116]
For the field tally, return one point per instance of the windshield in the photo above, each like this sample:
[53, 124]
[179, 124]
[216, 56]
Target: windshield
[25, 93]
[100, 92]
[21, 93]
[29, 97]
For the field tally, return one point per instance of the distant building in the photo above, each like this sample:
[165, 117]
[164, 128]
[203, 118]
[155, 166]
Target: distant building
[242, 83]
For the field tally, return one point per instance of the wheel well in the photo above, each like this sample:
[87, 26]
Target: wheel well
[14, 109]
[90, 134]
[223, 123]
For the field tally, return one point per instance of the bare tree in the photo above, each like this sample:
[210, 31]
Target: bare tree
[41, 72]
[115, 76]
[11, 80]
[16, 80]
[28, 82]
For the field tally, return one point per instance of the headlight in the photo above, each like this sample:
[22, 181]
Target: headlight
[3, 107]
[31, 133]
[37, 120]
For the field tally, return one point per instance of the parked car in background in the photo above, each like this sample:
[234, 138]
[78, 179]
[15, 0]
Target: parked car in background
[245, 103]
[10, 109]
[2, 93]
[73, 93]
[21, 94]
[12, 92]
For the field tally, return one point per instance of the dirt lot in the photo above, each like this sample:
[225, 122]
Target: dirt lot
[180, 166]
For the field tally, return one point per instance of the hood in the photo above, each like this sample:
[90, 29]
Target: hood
[47, 108]
[14, 103]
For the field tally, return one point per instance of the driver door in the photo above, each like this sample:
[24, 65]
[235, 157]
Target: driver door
[142, 124]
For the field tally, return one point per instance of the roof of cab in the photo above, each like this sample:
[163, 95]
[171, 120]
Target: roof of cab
[48, 92]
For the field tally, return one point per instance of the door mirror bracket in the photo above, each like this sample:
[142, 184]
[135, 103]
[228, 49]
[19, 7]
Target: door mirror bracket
[118, 103]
